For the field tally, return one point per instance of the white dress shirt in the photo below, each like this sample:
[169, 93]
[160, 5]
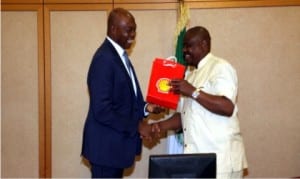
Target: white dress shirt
[206, 132]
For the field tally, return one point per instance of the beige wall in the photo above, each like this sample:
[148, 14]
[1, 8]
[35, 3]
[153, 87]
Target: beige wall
[19, 118]
[74, 38]
[262, 43]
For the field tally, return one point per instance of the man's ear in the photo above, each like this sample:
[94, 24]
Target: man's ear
[113, 27]
[204, 43]
[112, 31]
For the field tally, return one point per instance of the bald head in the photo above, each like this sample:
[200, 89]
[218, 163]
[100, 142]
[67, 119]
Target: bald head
[121, 27]
[201, 34]
[115, 16]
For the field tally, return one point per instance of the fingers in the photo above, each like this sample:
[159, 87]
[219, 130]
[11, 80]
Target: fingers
[155, 128]
[175, 81]
[156, 109]
[181, 87]
[148, 138]
[175, 85]
[153, 132]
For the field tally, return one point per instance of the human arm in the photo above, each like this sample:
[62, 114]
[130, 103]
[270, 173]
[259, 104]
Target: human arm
[217, 104]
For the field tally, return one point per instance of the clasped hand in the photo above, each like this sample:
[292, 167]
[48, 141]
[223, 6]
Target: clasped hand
[149, 131]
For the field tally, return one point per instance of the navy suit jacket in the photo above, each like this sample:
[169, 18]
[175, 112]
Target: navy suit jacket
[110, 136]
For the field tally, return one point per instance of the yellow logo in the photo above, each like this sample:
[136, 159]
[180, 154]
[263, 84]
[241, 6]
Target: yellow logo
[162, 85]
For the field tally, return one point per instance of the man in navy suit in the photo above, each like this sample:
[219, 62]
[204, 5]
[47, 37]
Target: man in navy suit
[114, 125]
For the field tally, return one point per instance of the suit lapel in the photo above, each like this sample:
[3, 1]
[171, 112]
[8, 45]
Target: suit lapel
[124, 70]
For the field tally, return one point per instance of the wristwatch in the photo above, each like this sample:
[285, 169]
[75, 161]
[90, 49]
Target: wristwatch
[196, 93]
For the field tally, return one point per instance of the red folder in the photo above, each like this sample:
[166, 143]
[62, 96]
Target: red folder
[163, 70]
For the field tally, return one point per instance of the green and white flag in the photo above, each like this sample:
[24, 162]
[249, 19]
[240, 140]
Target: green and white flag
[175, 140]
[183, 20]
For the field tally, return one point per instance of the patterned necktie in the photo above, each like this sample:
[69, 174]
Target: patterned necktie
[128, 65]
[127, 62]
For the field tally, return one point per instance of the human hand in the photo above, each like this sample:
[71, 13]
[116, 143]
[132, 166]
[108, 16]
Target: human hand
[154, 108]
[156, 129]
[181, 87]
[145, 131]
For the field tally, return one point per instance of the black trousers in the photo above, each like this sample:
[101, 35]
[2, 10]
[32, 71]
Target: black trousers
[99, 171]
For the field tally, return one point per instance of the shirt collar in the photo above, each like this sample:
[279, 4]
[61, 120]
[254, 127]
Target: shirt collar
[204, 61]
[118, 48]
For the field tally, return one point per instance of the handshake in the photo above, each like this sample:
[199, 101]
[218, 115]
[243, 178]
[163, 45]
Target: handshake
[155, 130]
[150, 131]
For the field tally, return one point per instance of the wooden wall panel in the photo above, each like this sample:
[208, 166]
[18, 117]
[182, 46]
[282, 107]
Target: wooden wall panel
[20, 95]
[39, 32]
[75, 35]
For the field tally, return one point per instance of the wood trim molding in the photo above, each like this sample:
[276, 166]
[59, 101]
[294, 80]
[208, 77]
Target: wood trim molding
[77, 1]
[167, 4]
[21, 2]
[145, 1]
[48, 97]
[20, 7]
[241, 3]
[42, 107]
[77, 7]
[148, 6]
[41, 79]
